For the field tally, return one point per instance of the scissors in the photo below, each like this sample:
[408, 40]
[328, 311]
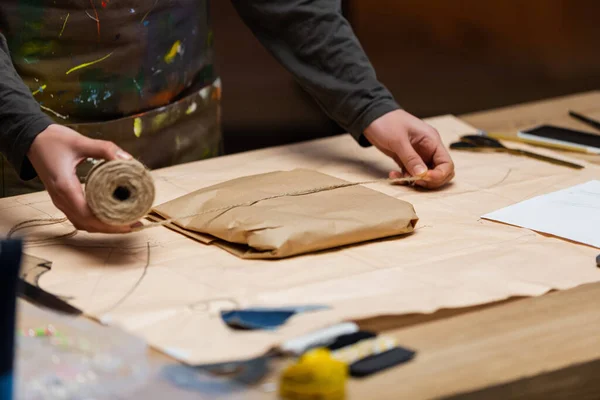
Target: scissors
[488, 144]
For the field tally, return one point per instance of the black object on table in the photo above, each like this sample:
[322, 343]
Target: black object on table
[10, 264]
[586, 120]
[350, 339]
[40, 297]
[379, 362]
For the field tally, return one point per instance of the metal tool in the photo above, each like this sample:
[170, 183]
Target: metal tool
[487, 144]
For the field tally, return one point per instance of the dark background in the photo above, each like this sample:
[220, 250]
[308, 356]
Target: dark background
[436, 56]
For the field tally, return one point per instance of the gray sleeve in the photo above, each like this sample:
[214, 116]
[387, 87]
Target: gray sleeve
[21, 118]
[313, 40]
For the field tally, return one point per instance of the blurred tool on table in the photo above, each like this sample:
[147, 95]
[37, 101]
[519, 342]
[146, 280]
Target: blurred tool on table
[481, 143]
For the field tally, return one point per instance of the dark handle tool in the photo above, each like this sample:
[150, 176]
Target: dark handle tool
[485, 143]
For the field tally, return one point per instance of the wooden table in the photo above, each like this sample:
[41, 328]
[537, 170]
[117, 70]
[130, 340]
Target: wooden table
[545, 347]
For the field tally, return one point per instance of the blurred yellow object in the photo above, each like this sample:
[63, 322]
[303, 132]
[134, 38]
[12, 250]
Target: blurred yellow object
[316, 376]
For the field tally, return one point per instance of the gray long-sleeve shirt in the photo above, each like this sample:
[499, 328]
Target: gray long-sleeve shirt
[310, 38]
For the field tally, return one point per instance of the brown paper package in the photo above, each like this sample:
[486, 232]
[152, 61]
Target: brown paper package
[289, 225]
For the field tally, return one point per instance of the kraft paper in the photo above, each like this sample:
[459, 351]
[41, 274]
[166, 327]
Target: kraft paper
[288, 225]
[169, 289]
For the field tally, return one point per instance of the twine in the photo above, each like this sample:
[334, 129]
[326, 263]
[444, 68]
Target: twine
[122, 192]
[119, 192]
[41, 222]
[276, 196]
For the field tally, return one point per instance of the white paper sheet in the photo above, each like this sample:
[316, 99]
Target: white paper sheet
[572, 213]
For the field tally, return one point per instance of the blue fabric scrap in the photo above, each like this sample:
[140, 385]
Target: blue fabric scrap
[266, 318]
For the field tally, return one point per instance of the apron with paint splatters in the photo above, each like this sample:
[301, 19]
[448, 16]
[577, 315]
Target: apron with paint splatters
[138, 73]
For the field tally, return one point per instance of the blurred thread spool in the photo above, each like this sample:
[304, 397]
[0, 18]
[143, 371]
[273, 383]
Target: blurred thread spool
[316, 375]
[119, 192]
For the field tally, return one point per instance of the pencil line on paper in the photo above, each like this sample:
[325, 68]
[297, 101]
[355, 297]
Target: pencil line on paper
[135, 285]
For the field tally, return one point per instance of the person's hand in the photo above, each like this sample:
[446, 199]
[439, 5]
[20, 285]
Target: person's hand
[55, 153]
[414, 145]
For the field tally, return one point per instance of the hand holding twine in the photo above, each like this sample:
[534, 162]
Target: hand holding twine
[118, 192]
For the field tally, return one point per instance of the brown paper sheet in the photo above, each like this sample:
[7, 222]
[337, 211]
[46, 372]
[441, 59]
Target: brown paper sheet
[266, 227]
[453, 259]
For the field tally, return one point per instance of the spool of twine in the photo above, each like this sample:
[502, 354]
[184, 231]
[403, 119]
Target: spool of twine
[119, 192]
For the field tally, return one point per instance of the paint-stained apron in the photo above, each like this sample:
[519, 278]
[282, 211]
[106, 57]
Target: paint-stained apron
[138, 73]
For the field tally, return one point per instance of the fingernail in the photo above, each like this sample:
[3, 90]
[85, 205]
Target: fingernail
[420, 170]
[123, 155]
[136, 225]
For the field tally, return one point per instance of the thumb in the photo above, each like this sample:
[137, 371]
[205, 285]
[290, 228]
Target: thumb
[411, 161]
[101, 149]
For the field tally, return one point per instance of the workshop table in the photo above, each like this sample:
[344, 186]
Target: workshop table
[543, 347]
